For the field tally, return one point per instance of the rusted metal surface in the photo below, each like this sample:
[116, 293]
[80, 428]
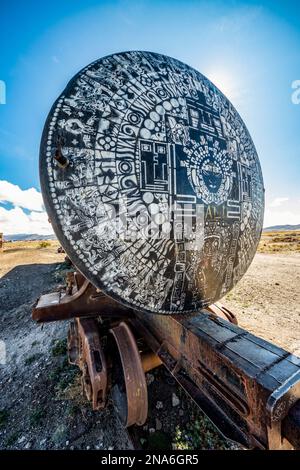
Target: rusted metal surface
[291, 424]
[248, 387]
[244, 384]
[80, 299]
[150, 361]
[62, 161]
[278, 406]
[223, 312]
[123, 372]
[85, 350]
[135, 410]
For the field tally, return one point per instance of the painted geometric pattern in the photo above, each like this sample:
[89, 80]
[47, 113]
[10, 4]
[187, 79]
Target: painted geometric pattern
[161, 203]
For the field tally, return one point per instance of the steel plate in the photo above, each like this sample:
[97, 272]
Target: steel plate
[152, 182]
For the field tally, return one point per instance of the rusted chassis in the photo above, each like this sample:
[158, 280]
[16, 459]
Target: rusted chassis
[248, 387]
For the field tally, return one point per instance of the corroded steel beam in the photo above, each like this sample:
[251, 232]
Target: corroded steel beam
[248, 387]
[81, 299]
[245, 385]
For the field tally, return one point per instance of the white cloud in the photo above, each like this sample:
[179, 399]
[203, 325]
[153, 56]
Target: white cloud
[238, 20]
[29, 199]
[15, 220]
[278, 201]
[281, 211]
[285, 217]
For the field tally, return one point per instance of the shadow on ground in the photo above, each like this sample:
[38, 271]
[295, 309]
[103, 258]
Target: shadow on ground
[41, 406]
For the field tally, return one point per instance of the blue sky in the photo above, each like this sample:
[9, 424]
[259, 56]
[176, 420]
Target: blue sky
[249, 49]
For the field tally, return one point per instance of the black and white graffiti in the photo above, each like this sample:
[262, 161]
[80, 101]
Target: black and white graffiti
[161, 203]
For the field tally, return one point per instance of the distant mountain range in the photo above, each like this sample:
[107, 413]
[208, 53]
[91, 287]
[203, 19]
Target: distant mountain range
[26, 236]
[36, 236]
[281, 227]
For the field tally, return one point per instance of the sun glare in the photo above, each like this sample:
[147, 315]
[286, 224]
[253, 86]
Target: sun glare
[226, 82]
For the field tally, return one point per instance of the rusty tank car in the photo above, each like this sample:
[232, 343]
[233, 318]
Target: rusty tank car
[154, 189]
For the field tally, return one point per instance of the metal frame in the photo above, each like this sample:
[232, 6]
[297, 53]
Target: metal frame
[85, 350]
[248, 387]
[134, 376]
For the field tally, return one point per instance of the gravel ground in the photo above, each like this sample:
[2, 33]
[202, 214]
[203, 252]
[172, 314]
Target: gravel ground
[41, 406]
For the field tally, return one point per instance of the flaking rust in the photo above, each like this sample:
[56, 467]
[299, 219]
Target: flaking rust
[248, 387]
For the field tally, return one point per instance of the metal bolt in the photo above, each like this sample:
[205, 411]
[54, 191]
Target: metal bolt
[62, 161]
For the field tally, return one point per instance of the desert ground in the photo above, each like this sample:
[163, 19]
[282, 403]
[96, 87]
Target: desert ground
[267, 299]
[41, 406]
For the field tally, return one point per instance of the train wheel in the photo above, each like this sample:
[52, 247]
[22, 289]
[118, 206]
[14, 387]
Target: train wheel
[129, 388]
